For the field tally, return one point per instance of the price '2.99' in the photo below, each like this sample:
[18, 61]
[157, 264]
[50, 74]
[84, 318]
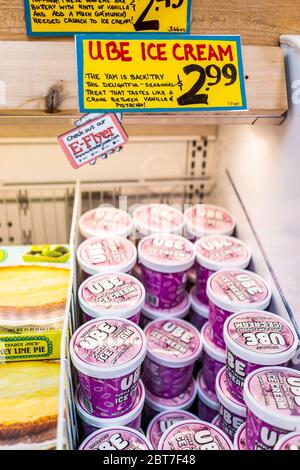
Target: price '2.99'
[142, 24]
[214, 74]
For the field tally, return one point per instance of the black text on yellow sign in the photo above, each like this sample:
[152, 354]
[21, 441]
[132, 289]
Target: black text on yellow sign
[190, 73]
[68, 17]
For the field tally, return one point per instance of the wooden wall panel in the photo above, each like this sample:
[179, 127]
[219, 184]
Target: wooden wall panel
[260, 22]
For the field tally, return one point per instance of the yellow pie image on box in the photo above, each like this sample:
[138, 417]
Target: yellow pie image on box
[28, 402]
[32, 295]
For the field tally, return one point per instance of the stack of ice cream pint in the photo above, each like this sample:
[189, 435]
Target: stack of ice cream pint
[148, 345]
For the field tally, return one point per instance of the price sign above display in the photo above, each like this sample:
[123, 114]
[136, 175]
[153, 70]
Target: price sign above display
[145, 74]
[68, 17]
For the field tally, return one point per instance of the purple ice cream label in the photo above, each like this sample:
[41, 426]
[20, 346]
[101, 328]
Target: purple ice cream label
[167, 249]
[208, 218]
[260, 332]
[105, 220]
[158, 218]
[111, 292]
[221, 250]
[194, 435]
[173, 340]
[277, 390]
[162, 422]
[238, 287]
[118, 438]
[101, 253]
[107, 343]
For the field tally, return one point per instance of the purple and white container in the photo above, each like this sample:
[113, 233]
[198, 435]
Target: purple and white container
[199, 312]
[239, 442]
[184, 401]
[172, 350]
[107, 355]
[213, 358]
[216, 252]
[106, 255]
[289, 442]
[157, 218]
[272, 397]
[194, 435]
[165, 260]
[208, 404]
[232, 411]
[206, 219]
[149, 313]
[161, 423]
[255, 338]
[113, 295]
[217, 421]
[116, 438]
[105, 222]
[91, 423]
[230, 291]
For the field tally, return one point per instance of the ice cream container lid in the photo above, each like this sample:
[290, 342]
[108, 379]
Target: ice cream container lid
[260, 337]
[215, 252]
[114, 295]
[156, 218]
[179, 311]
[290, 441]
[205, 219]
[108, 348]
[105, 222]
[161, 422]
[98, 255]
[225, 398]
[239, 442]
[237, 289]
[194, 434]
[166, 253]
[198, 307]
[273, 395]
[116, 438]
[213, 351]
[173, 343]
[182, 402]
[217, 421]
[86, 415]
[205, 395]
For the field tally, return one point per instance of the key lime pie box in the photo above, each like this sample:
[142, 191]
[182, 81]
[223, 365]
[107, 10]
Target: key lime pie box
[34, 282]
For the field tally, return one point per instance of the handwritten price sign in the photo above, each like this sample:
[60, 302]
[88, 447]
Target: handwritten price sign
[68, 17]
[139, 74]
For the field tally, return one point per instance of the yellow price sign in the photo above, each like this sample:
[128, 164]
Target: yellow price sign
[140, 74]
[68, 17]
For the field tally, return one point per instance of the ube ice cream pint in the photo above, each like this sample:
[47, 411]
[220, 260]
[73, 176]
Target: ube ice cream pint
[239, 442]
[157, 218]
[105, 222]
[194, 435]
[216, 252]
[289, 442]
[107, 355]
[230, 291]
[116, 438]
[165, 260]
[199, 312]
[173, 348]
[106, 255]
[232, 411]
[255, 338]
[112, 295]
[208, 404]
[184, 401]
[91, 423]
[161, 422]
[213, 358]
[206, 219]
[272, 397]
[149, 314]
